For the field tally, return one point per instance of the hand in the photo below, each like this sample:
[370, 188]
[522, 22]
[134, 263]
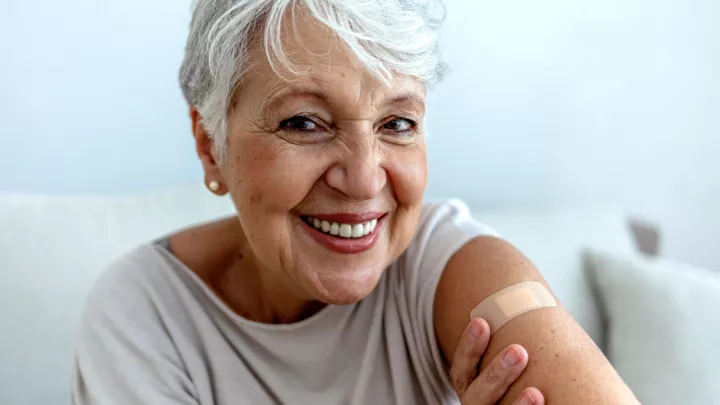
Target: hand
[492, 384]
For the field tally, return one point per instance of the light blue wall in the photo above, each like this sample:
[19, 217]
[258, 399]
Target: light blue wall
[90, 100]
[560, 102]
[573, 102]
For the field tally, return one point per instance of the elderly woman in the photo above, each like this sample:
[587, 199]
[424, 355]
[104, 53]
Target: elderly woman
[334, 283]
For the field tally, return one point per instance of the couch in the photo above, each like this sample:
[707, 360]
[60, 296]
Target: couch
[53, 248]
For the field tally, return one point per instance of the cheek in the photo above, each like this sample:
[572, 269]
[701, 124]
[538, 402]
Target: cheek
[407, 171]
[272, 175]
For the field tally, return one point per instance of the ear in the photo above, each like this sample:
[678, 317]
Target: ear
[205, 148]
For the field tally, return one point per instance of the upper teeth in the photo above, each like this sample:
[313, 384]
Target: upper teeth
[344, 230]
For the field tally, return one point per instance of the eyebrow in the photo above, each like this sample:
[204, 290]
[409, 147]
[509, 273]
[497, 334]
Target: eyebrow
[277, 101]
[410, 97]
[282, 98]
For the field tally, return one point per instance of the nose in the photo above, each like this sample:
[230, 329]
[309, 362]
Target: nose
[358, 172]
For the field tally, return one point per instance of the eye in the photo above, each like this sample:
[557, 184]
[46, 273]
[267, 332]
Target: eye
[304, 130]
[400, 126]
[299, 124]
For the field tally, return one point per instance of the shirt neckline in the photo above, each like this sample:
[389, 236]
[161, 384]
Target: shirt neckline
[218, 302]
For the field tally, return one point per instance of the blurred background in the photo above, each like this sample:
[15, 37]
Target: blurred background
[554, 103]
[559, 121]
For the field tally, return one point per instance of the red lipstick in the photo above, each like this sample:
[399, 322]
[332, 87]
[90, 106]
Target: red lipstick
[343, 218]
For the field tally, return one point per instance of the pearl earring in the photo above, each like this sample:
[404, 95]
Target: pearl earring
[214, 186]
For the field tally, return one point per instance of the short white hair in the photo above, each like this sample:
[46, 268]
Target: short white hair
[385, 36]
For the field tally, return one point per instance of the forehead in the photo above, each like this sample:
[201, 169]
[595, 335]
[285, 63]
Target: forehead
[320, 60]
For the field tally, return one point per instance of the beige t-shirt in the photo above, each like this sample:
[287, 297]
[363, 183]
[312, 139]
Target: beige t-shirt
[154, 334]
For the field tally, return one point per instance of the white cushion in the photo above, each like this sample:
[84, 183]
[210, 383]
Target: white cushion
[554, 242]
[664, 327]
[51, 251]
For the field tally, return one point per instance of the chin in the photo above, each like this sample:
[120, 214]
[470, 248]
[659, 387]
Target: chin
[347, 288]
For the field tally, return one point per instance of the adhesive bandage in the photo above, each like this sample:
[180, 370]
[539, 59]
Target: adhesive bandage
[506, 304]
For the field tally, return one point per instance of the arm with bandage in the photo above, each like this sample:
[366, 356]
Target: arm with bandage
[493, 286]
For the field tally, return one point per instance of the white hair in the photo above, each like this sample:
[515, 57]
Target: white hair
[386, 37]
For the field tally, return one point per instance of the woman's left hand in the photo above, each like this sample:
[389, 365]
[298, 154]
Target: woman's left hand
[491, 385]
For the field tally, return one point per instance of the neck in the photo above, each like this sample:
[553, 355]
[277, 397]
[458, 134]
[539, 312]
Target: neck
[255, 294]
[258, 293]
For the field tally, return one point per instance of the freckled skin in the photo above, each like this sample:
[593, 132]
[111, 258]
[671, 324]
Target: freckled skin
[351, 164]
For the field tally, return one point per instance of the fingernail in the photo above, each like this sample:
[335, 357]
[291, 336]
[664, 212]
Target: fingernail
[527, 399]
[475, 330]
[511, 357]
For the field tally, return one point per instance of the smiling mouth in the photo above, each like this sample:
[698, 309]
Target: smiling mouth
[342, 230]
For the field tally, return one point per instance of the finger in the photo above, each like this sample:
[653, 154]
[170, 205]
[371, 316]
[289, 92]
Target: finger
[466, 358]
[530, 396]
[493, 382]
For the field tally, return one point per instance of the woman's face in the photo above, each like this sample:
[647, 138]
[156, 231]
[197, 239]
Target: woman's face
[327, 170]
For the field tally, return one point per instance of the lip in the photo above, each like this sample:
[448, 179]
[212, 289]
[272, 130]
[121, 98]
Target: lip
[346, 218]
[343, 245]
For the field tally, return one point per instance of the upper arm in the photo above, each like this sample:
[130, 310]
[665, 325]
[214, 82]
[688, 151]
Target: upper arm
[124, 354]
[564, 364]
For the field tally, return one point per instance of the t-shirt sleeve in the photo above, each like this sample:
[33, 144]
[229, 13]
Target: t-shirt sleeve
[124, 355]
[443, 229]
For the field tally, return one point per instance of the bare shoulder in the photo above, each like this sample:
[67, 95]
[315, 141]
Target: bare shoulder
[564, 362]
[481, 267]
[206, 247]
